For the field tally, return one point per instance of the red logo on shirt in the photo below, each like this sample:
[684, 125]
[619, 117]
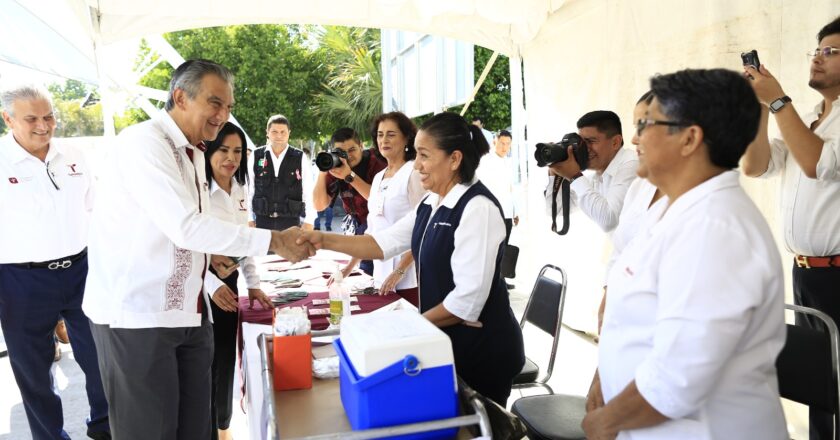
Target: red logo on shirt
[13, 180]
[73, 172]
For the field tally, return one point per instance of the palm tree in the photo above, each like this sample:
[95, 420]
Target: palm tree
[352, 95]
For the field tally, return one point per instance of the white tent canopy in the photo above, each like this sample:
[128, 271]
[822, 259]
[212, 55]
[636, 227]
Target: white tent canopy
[578, 55]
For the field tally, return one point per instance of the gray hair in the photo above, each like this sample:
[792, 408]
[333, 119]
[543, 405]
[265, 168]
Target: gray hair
[188, 76]
[26, 92]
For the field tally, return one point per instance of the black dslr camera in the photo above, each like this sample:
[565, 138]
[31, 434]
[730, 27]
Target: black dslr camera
[550, 153]
[327, 160]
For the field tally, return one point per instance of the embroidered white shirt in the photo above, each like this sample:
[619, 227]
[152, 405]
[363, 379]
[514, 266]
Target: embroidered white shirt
[148, 239]
[39, 222]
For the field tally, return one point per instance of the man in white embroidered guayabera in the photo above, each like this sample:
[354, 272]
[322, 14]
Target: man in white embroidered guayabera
[150, 234]
[695, 317]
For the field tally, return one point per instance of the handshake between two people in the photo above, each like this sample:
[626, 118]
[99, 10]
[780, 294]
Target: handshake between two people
[293, 244]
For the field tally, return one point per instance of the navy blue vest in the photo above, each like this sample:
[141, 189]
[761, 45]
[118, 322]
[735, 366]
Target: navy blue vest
[278, 200]
[492, 354]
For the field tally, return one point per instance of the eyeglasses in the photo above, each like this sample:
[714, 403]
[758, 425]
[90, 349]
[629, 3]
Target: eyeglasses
[642, 123]
[826, 52]
[51, 175]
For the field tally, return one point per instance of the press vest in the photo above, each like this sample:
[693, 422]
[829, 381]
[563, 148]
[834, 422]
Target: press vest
[278, 199]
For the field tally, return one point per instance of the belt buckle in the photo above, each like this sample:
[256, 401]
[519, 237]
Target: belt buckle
[54, 265]
[802, 261]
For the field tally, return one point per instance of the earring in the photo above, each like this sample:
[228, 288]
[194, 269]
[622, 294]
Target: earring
[406, 148]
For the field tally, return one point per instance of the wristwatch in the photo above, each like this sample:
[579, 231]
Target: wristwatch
[779, 104]
[350, 177]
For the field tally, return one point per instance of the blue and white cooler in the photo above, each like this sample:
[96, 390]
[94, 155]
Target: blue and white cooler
[396, 368]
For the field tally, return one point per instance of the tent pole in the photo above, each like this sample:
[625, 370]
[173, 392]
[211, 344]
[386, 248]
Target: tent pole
[480, 81]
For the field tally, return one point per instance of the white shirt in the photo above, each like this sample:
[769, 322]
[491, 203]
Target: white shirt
[474, 256]
[599, 196]
[231, 208]
[636, 205]
[696, 317]
[809, 207]
[148, 239]
[307, 181]
[390, 200]
[39, 222]
[495, 172]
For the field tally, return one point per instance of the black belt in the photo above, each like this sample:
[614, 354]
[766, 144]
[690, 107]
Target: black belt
[60, 263]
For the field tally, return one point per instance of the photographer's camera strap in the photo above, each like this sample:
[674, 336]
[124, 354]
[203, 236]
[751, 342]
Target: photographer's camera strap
[560, 184]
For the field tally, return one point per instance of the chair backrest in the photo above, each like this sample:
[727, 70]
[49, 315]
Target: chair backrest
[545, 306]
[807, 366]
[545, 310]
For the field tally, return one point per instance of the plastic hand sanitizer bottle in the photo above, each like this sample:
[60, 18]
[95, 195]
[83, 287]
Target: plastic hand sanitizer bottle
[339, 299]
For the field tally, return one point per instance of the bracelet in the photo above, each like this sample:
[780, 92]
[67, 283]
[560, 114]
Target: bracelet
[400, 271]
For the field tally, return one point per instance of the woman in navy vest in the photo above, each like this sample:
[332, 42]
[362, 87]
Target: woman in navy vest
[456, 235]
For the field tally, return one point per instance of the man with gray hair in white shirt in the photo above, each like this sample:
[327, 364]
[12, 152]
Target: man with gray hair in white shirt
[150, 235]
[46, 191]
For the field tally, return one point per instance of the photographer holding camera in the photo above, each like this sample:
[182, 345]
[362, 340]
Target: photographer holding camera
[596, 146]
[346, 172]
[279, 184]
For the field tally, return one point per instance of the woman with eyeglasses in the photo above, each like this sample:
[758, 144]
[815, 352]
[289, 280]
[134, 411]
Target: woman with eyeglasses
[456, 235]
[226, 168]
[695, 316]
[394, 192]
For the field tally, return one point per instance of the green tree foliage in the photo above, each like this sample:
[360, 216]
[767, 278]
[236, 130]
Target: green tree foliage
[351, 62]
[3, 128]
[73, 120]
[276, 72]
[492, 102]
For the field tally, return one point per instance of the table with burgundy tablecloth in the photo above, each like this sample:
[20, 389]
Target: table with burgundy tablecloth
[314, 274]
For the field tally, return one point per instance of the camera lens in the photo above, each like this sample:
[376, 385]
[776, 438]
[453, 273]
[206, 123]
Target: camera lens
[326, 161]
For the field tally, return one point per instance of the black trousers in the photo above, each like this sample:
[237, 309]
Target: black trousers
[225, 326]
[817, 288]
[508, 229]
